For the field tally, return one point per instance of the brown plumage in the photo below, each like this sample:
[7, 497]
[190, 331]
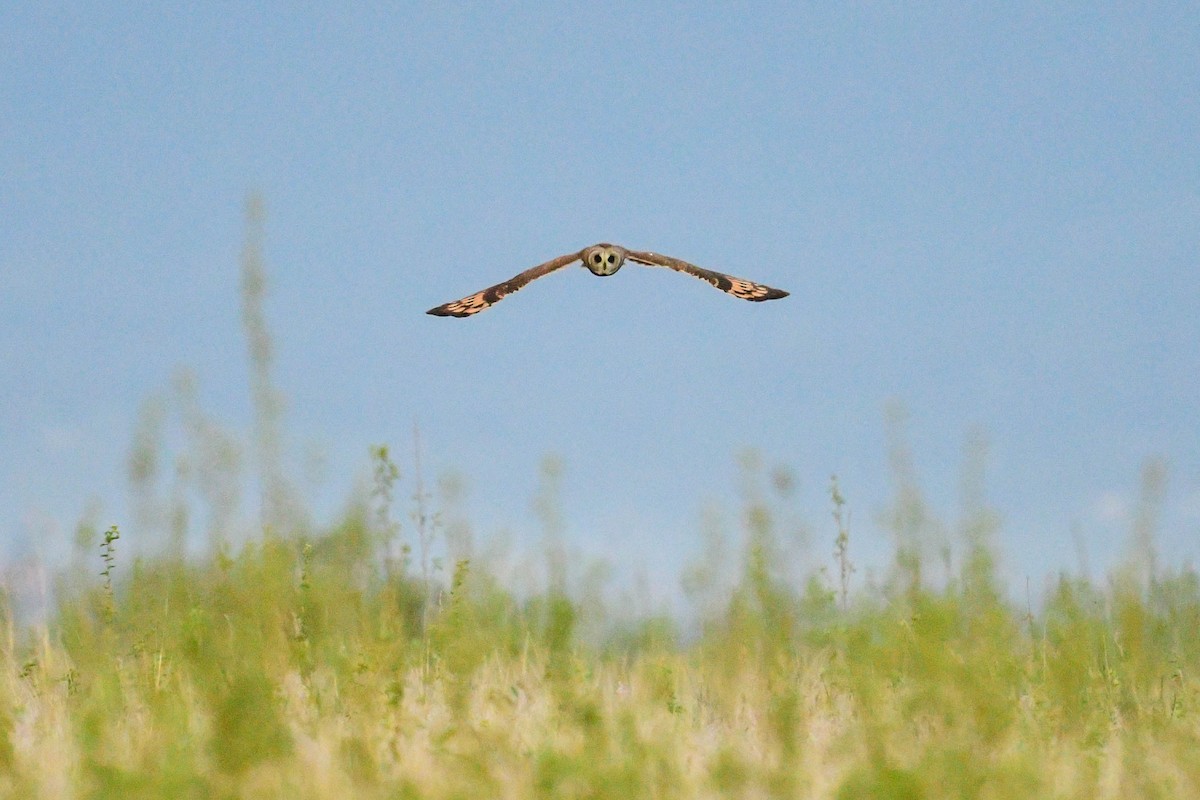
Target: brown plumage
[604, 260]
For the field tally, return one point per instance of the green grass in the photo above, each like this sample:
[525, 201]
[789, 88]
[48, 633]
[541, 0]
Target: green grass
[303, 667]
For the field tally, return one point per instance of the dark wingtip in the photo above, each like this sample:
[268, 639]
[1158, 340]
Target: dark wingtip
[446, 311]
[773, 294]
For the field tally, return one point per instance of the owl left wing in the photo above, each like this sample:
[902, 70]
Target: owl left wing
[473, 304]
[738, 287]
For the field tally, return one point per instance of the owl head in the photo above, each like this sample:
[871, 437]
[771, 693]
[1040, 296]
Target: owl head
[604, 259]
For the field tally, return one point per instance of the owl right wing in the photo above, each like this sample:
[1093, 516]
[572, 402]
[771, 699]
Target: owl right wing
[494, 294]
[730, 284]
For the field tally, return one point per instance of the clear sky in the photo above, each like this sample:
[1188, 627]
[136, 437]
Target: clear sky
[989, 213]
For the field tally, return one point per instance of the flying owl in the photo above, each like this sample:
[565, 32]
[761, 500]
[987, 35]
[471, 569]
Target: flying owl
[604, 260]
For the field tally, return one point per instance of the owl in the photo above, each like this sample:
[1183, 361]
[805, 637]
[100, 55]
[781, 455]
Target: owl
[604, 260]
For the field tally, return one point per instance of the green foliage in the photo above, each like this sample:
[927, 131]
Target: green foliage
[248, 728]
[108, 550]
[300, 666]
[881, 783]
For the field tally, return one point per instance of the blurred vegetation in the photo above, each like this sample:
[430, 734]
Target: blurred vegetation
[324, 664]
[299, 661]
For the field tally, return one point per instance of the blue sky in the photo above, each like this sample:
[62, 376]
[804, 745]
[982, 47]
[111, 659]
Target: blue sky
[987, 213]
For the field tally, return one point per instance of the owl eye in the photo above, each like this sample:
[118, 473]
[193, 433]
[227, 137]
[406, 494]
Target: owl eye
[597, 258]
[612, 258]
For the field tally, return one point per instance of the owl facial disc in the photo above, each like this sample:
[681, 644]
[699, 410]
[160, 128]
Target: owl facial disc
[603, 259]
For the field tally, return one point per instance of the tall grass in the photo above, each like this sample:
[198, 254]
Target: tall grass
[305, 662]
[299, 666]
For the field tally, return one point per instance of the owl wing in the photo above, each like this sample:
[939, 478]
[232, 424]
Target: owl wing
[494, 294]
[738, 287]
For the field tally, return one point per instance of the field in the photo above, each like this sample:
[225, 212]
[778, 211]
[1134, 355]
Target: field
[314, 665]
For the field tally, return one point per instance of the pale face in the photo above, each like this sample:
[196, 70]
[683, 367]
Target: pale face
[603, 259]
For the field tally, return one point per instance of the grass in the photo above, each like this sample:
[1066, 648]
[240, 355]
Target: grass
[348, 661]
[302, 666]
